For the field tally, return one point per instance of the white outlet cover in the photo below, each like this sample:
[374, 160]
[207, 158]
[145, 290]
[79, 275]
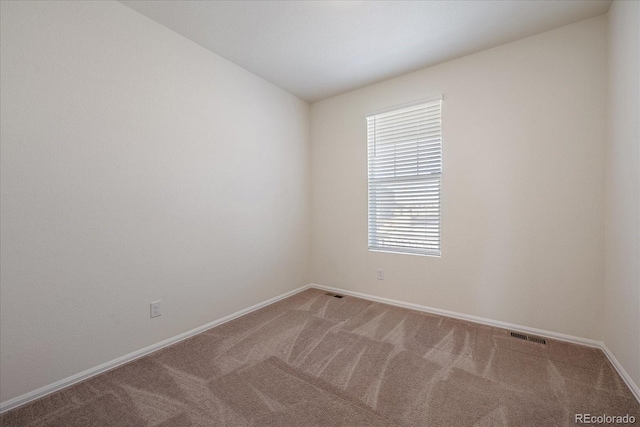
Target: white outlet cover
[380, 274]
[156, 309]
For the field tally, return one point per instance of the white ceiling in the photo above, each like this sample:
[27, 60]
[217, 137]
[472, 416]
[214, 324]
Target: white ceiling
[317, 49]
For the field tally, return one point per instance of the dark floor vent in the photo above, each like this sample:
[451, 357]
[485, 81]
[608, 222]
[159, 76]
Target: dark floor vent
[537, 339]
[529, 338]
[517, 335]
[334, 295]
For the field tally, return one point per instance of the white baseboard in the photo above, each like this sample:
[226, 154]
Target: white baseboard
[66, 382]
[468, 317]
[498, 324]
[627, 379]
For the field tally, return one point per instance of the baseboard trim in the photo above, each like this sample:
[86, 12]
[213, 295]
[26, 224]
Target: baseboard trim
[468, 317]
[498, 324]
[627, 379]
[74, 379]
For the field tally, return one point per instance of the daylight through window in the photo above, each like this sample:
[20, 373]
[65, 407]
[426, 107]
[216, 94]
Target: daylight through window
[405, 168]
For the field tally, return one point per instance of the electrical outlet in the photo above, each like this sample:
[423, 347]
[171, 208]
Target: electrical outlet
[380, 274]
[156, 309]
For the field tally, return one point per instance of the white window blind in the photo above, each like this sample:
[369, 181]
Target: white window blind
[405, 166]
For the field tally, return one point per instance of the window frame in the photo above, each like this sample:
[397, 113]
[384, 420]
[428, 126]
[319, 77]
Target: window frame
[422, 179]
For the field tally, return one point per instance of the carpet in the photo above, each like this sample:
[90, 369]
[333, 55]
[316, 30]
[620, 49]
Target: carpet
[316, 360]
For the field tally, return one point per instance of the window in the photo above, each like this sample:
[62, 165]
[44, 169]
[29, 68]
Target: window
[405, 166]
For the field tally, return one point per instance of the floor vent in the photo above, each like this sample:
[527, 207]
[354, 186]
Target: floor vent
[529, 338]
[334, 295]
[537, 339]
[517, 335]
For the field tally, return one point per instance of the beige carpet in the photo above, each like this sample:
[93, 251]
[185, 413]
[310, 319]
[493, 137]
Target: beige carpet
[313, 359]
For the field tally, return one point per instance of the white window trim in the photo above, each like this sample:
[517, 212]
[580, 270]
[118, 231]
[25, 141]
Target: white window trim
[374, 244]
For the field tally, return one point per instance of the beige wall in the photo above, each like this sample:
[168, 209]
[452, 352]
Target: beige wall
[136, 166]
[622, 254]
[523, 185]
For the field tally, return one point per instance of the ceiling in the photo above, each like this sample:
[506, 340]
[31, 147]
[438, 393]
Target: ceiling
[318, 49]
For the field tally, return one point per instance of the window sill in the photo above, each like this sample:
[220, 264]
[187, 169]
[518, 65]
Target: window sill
[434, 254]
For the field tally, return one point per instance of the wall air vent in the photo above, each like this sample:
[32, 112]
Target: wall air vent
[529, 338]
